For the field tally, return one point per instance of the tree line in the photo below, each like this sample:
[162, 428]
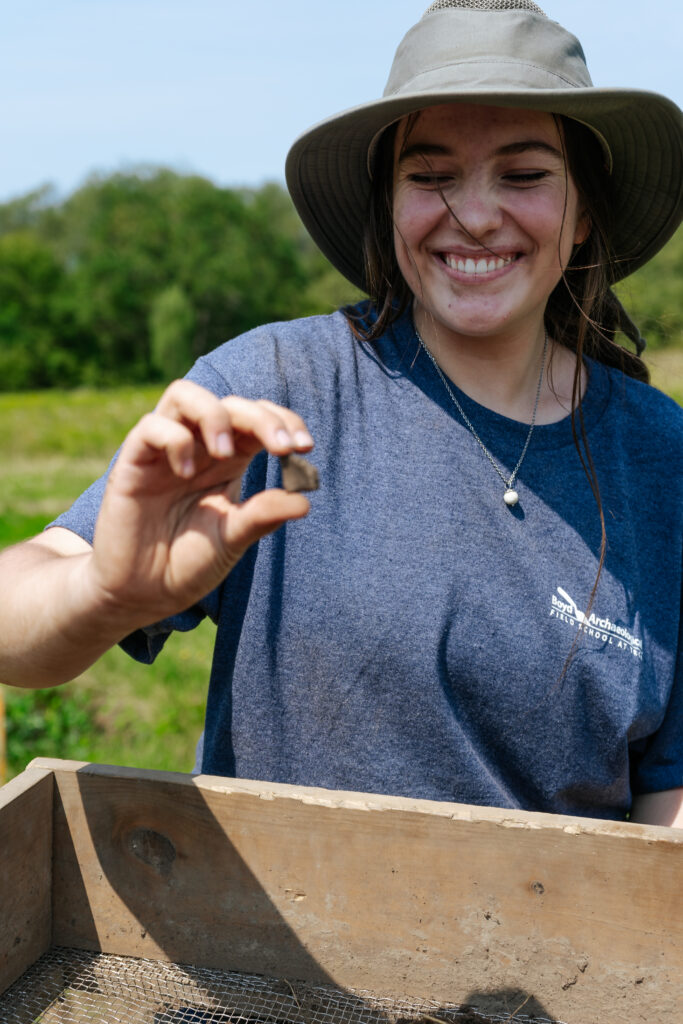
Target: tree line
[135, 275]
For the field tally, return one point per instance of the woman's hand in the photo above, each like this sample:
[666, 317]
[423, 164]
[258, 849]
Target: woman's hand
[172, 526]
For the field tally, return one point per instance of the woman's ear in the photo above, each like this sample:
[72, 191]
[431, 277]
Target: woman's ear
[583, 228]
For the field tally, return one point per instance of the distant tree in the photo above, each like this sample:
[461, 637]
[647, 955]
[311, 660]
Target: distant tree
[138, 273]
[171, 328]
[324, 287]
[40, 342]
[28, 211]
[114, 240]
[233, 260]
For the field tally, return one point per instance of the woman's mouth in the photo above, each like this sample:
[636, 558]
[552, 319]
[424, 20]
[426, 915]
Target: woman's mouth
[476, 267]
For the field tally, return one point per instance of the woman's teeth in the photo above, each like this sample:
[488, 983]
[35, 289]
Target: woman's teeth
[480, 266]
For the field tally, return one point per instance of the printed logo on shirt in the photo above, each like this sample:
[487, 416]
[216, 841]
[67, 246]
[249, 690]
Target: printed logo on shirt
[566, 610]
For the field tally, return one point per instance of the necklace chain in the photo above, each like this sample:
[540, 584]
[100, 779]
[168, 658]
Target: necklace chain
[510, 497]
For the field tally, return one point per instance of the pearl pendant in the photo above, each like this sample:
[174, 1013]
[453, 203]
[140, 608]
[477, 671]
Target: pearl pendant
[510, 497]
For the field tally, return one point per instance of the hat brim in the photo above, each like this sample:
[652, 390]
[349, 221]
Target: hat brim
[328, 178]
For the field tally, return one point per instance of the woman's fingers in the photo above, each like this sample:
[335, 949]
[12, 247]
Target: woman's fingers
[171, 524]
[202, 412]
[194, 428]
[275, 428]
[296, 427]
[155, 434]
[217, 421]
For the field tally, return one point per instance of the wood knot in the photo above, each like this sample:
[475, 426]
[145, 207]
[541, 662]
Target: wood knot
[152, 848]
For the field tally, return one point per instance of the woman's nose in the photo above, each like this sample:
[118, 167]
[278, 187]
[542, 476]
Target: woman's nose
[475, 209]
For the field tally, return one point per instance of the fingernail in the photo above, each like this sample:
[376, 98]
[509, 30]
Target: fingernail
[302, 439]
[282, 437]
[224, 444]
[187, 468]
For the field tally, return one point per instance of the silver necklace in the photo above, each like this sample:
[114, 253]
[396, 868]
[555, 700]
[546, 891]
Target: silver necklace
[510, 497]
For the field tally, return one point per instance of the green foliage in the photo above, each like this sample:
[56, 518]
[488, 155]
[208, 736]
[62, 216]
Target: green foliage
[26, 212]
[135, 275]
[47, 723]
[118, 712]
[654, 296]
[666, 369]
[39, 339]
[171, 328]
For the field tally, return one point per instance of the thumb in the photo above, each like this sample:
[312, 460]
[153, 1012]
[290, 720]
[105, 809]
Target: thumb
[261, 514]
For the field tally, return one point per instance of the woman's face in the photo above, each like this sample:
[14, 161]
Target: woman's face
[485, 218]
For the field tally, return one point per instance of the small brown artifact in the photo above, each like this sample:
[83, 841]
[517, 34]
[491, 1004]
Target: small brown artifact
[298, 474]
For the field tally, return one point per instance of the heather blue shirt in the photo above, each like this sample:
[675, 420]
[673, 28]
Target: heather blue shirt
[410, 635]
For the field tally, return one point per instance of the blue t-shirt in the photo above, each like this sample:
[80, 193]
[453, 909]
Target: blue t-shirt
[411, 635]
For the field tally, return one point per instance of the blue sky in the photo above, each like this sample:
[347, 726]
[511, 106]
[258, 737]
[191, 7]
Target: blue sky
[223, 88]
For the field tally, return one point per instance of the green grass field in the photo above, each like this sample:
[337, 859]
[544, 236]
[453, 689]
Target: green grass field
[118, 712]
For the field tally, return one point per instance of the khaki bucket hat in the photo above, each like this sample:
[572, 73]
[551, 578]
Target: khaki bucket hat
[501, 53]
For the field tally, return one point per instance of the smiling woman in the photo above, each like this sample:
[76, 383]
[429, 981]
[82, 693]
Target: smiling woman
[486, 218]
[403, 632]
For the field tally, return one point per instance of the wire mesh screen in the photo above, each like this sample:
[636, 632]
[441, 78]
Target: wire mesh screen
[75, 987]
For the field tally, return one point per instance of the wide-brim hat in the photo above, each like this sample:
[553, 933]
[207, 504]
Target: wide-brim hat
[503, 53]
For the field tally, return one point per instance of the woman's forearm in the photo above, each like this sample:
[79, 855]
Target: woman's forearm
[52, 625]
[665, 808]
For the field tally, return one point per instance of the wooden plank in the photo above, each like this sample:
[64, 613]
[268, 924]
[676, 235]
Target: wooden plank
[400, 897]
[25, 871]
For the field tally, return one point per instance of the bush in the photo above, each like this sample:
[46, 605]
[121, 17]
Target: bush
[47, 723]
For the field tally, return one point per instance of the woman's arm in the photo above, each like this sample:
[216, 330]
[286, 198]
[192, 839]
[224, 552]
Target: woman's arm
[170, 529]
[50, 625]
[665, 808]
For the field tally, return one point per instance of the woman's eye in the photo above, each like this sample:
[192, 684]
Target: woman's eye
[525, 177]
[430, 180]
